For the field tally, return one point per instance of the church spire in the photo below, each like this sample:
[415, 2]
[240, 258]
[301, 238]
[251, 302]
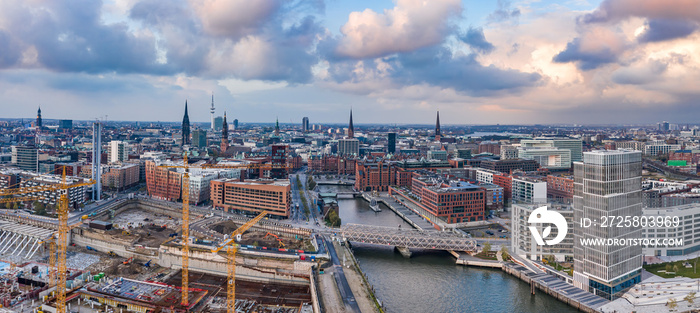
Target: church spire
[351, 128]
[438, 135]
[277, 127]
[186, 127]
[38, 118]
[224, 135]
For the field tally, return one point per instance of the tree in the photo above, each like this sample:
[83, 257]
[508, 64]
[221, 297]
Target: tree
[504, 253]
[690, 298]
[39, 208]
[333, 219]
[669, 267]
[675, 268]
[487, 247]
[672, 304]
[311, 183]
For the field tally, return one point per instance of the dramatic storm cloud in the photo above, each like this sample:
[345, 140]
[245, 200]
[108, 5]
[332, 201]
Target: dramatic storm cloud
[479, 62]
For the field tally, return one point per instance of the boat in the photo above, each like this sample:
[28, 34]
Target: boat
[374, 205]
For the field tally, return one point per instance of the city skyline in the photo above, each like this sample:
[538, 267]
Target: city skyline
[504, 62]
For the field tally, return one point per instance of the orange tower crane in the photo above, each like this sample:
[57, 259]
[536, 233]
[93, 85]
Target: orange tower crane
[63, 228]
[231, 265]
[186, 213]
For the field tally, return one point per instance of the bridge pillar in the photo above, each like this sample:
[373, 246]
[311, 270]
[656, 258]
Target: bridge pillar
[404, 251]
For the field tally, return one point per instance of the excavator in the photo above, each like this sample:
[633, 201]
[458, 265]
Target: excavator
[278, 239]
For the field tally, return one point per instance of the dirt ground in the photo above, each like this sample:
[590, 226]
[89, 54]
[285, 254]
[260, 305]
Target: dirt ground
[257, 238]
[135, 218]
[148, 229]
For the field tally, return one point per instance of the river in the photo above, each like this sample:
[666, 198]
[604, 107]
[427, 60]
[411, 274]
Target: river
[430, 281]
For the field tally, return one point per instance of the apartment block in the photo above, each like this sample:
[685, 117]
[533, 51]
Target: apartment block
[252, 197]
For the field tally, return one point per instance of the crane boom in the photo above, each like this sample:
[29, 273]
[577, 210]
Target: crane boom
[186, 222]
[231, 264]
[241, 230]
[185, 237]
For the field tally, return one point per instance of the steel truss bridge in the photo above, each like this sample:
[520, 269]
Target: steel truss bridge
[408, 238]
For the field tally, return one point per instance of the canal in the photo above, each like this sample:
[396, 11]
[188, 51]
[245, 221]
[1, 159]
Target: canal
[430, 281]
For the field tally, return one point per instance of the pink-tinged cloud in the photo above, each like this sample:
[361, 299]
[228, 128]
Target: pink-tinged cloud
[617, 10]
[410, 25]
[234, 18]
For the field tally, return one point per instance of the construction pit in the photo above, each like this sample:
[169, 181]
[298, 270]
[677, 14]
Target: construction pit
[144, 228]
[251, 296]
[263, 238]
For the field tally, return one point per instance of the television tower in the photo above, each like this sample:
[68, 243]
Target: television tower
[212, 111]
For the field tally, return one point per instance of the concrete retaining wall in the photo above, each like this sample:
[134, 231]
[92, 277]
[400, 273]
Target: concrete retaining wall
[561, 297]
[314, 293]
[261, 270]
[121, 249]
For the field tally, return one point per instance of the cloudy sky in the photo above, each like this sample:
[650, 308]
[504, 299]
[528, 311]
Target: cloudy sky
[477, 61]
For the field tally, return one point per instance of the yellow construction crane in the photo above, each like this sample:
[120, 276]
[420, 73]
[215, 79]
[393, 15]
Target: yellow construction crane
[19, 199]
[231, 265]
[63, 228]
[186, 213]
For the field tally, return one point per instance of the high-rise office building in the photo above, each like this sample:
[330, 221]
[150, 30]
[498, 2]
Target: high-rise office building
[96, 161]
[186, 127]
[199, 138]
[551, 158]
[218, 122]
[26, 158]
[348, 147]
[607, 183]
[573, 145]
[117, 151]
[65, 124]
[235, 124]
[391, 143]
[305, 124]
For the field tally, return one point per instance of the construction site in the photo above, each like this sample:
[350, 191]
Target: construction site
[129, 259]
[263, 238]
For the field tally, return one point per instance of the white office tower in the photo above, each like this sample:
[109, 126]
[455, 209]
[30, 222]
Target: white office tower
[118, 151]
[607, 183]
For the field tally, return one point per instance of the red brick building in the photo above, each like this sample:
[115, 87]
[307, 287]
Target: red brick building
[294, 162]
[505, 181]
[323, 163]
[493, 147]
[371, 176]
[278, 158]
[690, 156]
[163, 183]
[346, 166]
[403, 177]
[560, 188]
[461, 203]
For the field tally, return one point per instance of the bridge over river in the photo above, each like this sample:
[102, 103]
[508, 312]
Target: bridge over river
[407, 238]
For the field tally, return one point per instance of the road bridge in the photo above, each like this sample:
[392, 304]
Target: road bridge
[407, 238]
